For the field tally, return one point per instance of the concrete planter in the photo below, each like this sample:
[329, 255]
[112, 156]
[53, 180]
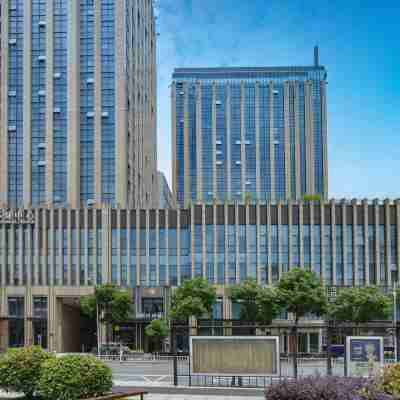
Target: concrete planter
[138, 394]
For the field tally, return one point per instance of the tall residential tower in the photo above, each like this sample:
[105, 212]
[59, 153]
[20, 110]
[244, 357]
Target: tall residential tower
[78, 103]
[249, 133]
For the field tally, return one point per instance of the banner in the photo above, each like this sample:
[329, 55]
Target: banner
[364, 355]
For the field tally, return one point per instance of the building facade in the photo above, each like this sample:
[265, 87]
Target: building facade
[78, 103]
[167, 199]
[51, 257]
[249, 133]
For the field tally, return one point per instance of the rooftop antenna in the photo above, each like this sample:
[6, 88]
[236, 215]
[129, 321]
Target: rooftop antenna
[316, 56]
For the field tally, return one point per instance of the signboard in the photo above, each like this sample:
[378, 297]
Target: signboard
[234, 355]
[19, 216]
[364, 355]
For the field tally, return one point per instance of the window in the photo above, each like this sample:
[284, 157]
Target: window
[163, 256]
[185, 256]
[172, 250]
[221, 253]
[108, 101]
[153, 306]
[16, 307]
[210, 253]
[40, 321]
[198, 249]
[16, 328]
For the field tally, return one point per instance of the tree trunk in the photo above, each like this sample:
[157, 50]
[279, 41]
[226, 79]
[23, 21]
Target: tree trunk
[295, 334]
[172, 339]
[108, 334]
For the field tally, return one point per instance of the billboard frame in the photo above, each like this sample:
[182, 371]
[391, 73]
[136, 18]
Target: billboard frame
[253, 338]
[362, 338]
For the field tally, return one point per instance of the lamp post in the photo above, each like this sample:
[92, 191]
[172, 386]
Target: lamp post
[98, 329]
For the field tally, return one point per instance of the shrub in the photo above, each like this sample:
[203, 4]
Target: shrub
[20, 369]
[157, 330]
[327, 388]
[390, 380]
[74, 377]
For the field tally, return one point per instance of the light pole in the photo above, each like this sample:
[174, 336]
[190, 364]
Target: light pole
[98, 329]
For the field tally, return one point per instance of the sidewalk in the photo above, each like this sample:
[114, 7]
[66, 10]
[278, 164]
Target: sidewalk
[186, 394]
[195, 397]
[196, 393]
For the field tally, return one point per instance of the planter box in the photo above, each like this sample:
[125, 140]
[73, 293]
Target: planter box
[138, 394]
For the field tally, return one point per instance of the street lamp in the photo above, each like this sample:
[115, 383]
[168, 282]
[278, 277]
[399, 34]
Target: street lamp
[98, 328]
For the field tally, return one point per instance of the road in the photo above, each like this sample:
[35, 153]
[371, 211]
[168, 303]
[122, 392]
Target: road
[160, 373]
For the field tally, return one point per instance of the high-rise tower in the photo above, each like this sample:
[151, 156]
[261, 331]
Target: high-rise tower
[78, 103]
[249, 133]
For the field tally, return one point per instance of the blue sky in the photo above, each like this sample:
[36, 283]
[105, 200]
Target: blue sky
[359, 45]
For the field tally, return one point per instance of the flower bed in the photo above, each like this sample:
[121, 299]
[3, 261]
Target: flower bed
[326, 388]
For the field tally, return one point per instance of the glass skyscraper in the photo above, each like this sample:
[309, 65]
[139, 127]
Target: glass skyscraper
[247, 134]
[78, 103]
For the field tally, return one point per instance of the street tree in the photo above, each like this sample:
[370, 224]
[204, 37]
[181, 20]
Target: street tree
[300, 293]
[246, 294]
[360, 305]
[257, 304]
[194, 298]
[268, 305]
[157, 330]
[109, 305]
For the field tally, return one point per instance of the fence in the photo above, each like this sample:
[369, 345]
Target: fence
[141, 357]
[324, 344]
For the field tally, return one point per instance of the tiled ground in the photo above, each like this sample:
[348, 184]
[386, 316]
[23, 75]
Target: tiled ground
[173, 397]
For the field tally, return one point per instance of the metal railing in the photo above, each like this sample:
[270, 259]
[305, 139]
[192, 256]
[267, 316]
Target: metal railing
[132, 357]
[323, 362]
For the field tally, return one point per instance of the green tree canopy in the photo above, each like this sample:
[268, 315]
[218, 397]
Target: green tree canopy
[114, 304]
[247, 197]
[268, 305]
[257, 304]
[360, 305]
[194, 298]
[312, 197]
[158, 328]
[246, 295]
[301, 292]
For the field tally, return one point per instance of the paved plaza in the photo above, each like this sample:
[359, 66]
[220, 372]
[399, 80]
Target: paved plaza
[171, 396]
[198, 397]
